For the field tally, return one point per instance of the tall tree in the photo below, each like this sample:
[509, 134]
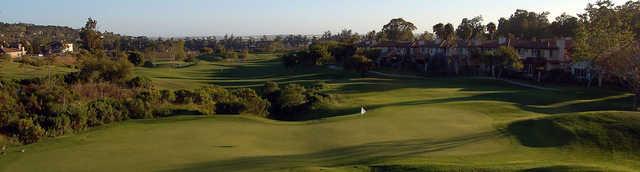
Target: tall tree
[624, 63]
[471, 29]
[438, 30]
[564, 26]
[603, 27]
[426, 36]
[507, 59]
[399, 30]
[91, 38]
[525, 24]
[492, 29]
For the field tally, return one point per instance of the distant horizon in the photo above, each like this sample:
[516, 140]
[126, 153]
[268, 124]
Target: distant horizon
[201, 18]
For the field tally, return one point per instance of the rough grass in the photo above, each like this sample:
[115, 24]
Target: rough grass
[436, 124]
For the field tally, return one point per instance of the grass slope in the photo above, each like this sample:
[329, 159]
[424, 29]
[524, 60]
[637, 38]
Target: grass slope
[611, 131]
[449, 124]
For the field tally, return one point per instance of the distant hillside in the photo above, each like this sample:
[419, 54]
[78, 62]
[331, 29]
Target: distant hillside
[30, 32]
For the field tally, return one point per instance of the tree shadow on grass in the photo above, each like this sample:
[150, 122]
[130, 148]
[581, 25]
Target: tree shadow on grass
[361, 154]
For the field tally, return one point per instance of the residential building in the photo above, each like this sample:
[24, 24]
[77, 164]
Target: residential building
[548, 54]
[13, 52]
[58, 47]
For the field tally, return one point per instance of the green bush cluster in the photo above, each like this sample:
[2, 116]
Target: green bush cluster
[294, 102]
[104, 92]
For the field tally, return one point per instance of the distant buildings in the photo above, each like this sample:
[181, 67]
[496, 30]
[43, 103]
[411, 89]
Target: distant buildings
[58, 47]
[19, 51]
[537, 55]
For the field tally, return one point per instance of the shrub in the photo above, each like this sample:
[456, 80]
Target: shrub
[26, 131]
[105, 69]
[206, 50]
[149, 64]
[167, 96]
[136, 58]
[56, 121]
[292, 95]
[320, 85]
[253, 103]
[358, 63]
[244, 54]
[231, 107]
[105, 111]
[270, 87]
[140, 82]
[211, 94]
[79, 116]
[184, 97]
[140, 109]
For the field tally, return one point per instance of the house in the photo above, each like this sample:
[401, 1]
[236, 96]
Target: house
[393, 53]
[58, 47]
[13, 52]
[547, 55]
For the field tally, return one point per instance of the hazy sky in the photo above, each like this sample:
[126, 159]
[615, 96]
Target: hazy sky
[257, 17]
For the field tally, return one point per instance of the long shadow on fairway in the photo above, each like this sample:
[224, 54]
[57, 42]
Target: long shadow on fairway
[362, 154]
[616, 103]
[539, 101]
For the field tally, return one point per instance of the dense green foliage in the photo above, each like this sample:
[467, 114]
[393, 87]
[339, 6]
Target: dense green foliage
[294, 102]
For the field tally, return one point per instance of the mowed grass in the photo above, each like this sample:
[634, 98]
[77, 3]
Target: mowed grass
[10, 70]
[451, 124]
[253, 72]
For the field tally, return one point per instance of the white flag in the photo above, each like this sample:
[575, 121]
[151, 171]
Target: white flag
[362, 111]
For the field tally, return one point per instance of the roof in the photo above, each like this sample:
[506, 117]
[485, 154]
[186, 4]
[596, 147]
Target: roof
[539, 44]
[393, 44]
[526, 44]
[10, 50]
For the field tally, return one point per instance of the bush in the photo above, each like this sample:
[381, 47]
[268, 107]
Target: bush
[206, 50]
[79, 116]
[26, 131]
[244, 54]
[149, 64]
[105, 111]
[211, 94]
[167, 96]
[253, 103]
[136, 58]
[140, 82]
[270, 87]
[320, 85]
[140, 109]
[230, 107]
[358, 63]
[105, 69]
[292, 95]
[184, 97]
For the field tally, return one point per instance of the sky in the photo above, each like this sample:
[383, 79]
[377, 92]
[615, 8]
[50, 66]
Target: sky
[179, 18]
